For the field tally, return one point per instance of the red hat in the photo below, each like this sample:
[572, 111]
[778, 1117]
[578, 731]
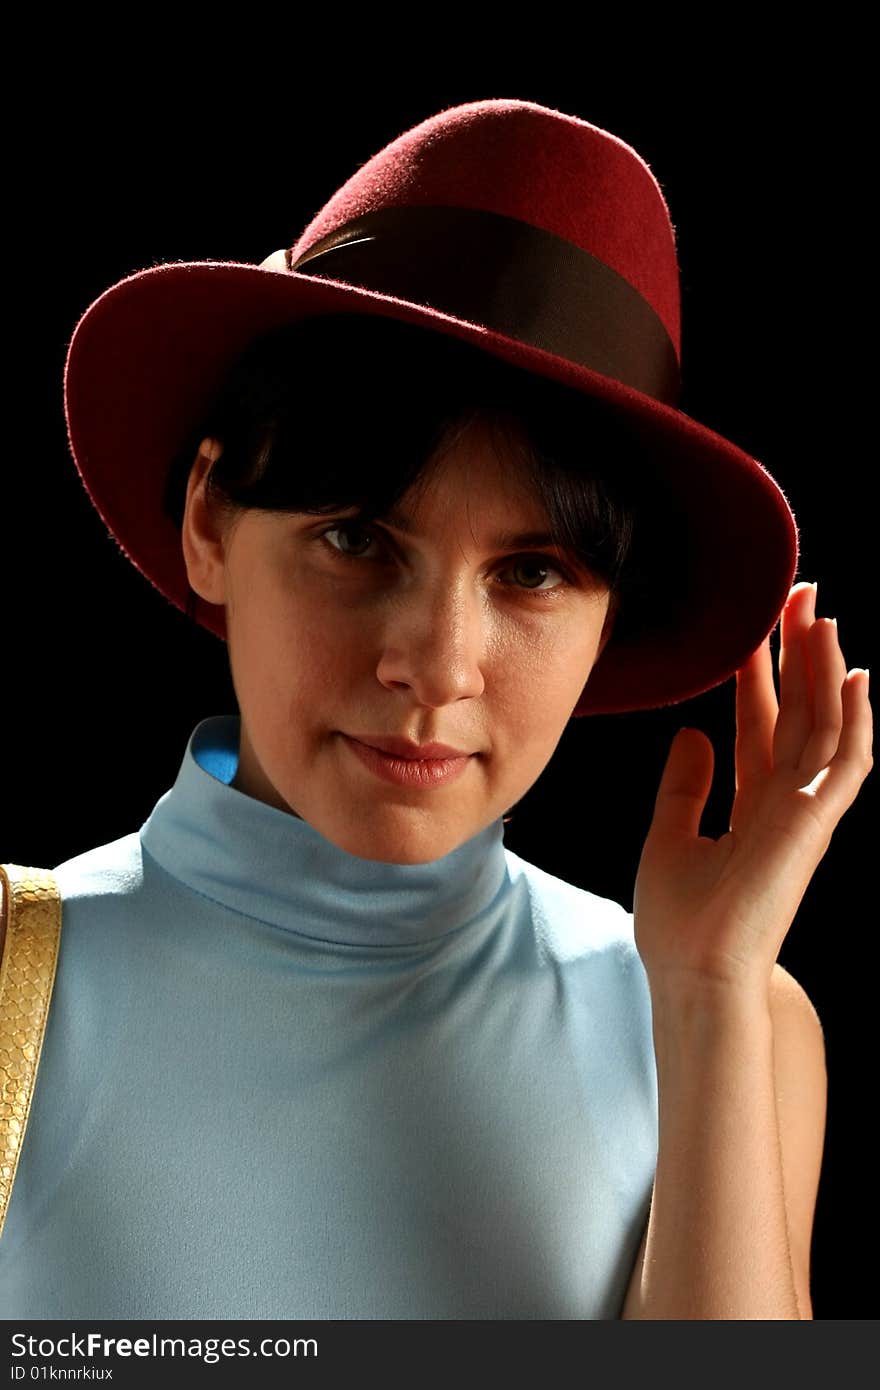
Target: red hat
[544, 240]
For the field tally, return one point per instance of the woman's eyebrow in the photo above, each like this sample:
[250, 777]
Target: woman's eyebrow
[505, 540]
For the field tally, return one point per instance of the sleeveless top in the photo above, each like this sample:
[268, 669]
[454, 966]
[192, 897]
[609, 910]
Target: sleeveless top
[279, 1081]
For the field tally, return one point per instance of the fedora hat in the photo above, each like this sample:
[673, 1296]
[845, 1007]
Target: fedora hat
[538, 237]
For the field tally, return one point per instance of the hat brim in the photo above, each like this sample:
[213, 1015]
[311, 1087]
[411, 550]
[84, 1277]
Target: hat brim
[144, 363]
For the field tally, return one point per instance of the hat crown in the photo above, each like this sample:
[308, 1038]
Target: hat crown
[528, 162]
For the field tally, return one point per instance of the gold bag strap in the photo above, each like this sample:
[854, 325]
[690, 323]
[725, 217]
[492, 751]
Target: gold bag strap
[27, 974]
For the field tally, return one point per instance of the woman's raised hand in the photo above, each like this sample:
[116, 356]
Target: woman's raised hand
[717, 911]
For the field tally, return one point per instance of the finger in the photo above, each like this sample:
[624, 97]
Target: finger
[829, 674]
[756, 712]
[685, 784]
[837, 785]
[795, 722]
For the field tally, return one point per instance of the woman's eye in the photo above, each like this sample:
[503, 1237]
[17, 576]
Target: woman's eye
[344, 529]
[523, 564]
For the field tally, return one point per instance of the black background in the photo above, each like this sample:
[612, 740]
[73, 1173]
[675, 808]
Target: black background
[104, 680]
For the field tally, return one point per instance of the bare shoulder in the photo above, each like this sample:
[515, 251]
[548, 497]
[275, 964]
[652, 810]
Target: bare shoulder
[798, 1048]
[801, 1085]
[787, 994]
[798, 1040]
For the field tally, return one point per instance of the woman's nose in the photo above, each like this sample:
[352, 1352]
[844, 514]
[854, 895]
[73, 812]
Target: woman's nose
[435, 642]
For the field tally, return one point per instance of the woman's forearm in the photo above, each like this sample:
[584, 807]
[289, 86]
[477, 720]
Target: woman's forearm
[718, 1242]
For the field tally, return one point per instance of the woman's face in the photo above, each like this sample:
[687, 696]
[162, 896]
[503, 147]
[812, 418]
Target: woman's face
[447, 634]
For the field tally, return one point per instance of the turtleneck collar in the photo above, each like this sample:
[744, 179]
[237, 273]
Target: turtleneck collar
[269, 864]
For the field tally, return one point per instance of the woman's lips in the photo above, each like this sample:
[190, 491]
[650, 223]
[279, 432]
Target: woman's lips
[408, 772]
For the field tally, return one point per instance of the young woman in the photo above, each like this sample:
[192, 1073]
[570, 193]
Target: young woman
[320, 1045]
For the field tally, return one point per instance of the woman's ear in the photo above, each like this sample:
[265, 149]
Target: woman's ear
[202, 531]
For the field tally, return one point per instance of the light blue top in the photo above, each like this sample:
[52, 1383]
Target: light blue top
[281, 1081]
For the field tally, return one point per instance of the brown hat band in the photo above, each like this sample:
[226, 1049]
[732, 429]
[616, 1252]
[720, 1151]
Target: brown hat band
[509, 276]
